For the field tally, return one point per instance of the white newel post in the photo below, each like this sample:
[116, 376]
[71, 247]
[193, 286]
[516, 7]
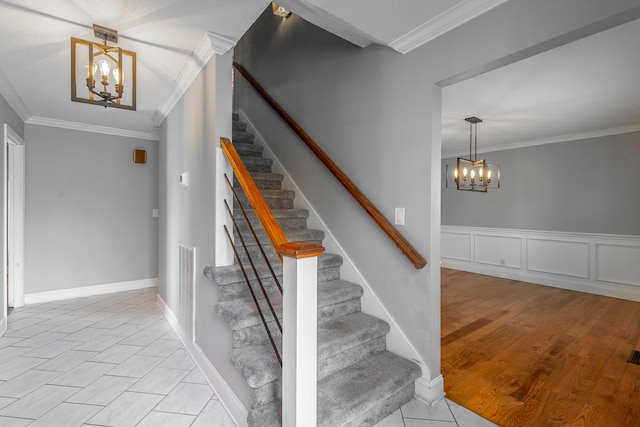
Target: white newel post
[299, 333]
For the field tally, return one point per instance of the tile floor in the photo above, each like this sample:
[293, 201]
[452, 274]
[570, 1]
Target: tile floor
[113, 360]
[109, 360]
[443, 414]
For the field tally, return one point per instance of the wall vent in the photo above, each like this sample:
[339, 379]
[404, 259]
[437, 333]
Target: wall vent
[186, 286]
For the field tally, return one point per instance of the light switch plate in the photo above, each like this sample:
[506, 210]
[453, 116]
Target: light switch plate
[399, 217]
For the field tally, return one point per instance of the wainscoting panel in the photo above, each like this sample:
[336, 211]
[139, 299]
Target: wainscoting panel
[505, 251]
[456, 246]
[558, 257]
[602, 264]
[618, 264]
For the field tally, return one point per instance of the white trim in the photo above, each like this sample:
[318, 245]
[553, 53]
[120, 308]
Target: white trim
[577, 253]
[15, 217]
[64, 124]
[209, 44]
[234, 407]
[551, 140]
[397, 341]
[3, 325]
[444, 22]
[13, 98]
[430, 392]
[89, 291]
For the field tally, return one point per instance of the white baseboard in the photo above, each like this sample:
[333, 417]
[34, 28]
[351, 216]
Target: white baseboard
[89, 291]
[600, 264]
[430, 392]
[234, 407]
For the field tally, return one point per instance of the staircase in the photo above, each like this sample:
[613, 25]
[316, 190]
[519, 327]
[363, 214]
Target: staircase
[359, 381]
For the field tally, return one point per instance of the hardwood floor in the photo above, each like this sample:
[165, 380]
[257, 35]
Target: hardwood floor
[521, 354]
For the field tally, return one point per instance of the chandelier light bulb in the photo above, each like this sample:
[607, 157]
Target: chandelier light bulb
[116, 75]
[95, 68]
[105, 67]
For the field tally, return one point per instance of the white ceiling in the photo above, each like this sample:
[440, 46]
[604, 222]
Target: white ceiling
[172, 39]
[586, 88]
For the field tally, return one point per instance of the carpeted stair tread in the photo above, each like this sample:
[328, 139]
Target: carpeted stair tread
[233, 274]
[242, 137]
[353, 396]
[305, 235]
[277, 213]
[259, 365]
[242, 313]
[271, 194]
[262, 176]
[238, 126]
[248, 149]
[353, 391]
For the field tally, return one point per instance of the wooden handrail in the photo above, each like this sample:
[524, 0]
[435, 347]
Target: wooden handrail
[259, 205]
[398, 239]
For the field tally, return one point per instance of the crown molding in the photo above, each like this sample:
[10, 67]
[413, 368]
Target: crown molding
[552, 140]
[63, 124]
[209, 44]
[12, 97]
[446, 21]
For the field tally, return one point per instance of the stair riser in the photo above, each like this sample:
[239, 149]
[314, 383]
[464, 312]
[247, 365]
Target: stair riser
[324, 314]
[285, 223]
[353, 355]
[256, 335]
[273, 390]
[262, 184]
[258, 168]
[248, 152]
[243, 138]
[266, 393]
[273, 203]
[239, 289]
[239, 126]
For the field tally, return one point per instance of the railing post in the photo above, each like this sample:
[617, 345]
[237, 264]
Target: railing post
[300, 333]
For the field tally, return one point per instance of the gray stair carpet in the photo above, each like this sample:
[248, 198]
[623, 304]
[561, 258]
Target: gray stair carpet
[359, 381]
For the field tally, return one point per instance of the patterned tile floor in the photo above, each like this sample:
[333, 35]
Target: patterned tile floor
[109, 360]
[113, 360]
[443, 414]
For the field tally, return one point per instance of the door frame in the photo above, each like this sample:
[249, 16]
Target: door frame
[14, 235]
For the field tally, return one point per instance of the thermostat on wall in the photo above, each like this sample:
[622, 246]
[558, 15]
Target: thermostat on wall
[184, 179]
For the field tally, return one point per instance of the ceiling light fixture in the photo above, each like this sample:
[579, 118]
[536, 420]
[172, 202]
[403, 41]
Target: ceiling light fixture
[280, 11]
[112, 65]
[472, 174]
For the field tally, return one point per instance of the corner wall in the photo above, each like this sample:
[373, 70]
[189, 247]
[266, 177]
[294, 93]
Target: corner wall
[88, 211]
[189, 141]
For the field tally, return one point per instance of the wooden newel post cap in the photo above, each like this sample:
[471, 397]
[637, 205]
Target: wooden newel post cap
[300, 250]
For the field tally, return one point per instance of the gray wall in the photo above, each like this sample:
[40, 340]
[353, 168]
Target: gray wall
[188, 140]
[586, 186]
[377, 114]
[88, 209]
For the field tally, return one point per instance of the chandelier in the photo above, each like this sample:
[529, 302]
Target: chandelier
[110, 71]
[472, 174]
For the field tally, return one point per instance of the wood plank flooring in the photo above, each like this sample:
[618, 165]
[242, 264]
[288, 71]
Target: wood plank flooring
[521, 354]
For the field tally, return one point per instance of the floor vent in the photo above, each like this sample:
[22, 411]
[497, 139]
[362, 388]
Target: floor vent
[186, 286]
[635, 357]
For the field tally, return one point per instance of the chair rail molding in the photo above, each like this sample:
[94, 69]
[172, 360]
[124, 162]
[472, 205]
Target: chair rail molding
[602, 264]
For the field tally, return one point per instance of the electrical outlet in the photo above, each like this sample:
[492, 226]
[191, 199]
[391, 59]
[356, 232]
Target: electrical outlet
[154, 213]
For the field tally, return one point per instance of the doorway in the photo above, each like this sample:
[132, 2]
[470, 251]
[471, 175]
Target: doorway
[14, 197]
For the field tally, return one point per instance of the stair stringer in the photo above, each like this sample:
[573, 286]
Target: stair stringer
[428, 390]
